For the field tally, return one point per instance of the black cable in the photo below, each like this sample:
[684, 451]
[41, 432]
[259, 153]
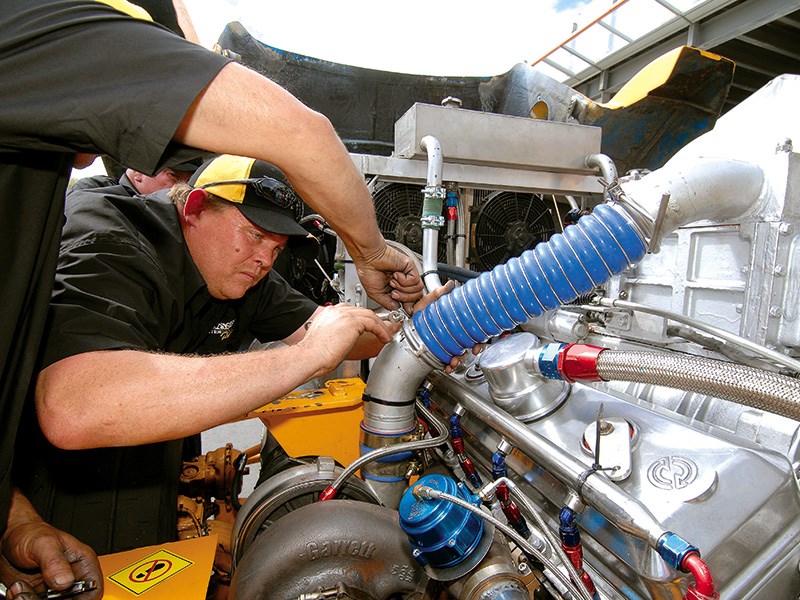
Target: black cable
[236, 486]
[457, 273]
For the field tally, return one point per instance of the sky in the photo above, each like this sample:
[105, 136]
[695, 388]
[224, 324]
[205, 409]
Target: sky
[427, 37]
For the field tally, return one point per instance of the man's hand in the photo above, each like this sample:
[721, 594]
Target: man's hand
[390, 279]
[37, 556]
[433, 296]
[334, 331]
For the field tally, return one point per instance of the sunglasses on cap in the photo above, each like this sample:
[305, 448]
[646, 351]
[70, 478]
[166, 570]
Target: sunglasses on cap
[268, 188]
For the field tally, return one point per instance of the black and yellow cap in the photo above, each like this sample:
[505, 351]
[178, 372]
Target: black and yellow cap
[258, 189]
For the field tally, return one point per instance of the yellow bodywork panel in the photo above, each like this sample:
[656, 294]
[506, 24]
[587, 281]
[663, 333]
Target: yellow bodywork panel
[318, 422]
[671, 101]
[654, 75]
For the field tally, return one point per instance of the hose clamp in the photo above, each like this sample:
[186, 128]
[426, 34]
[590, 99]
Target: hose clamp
[412, 341]
[431, 191]
[631, 209]
[432, 221]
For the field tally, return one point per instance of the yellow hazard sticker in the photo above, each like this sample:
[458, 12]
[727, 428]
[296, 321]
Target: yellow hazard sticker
[164, 572]
[150, 571]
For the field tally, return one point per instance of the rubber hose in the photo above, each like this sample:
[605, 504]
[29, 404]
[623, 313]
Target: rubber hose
[587, 254]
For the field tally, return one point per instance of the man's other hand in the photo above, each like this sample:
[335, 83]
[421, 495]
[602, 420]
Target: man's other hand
[390, 278]
[37, 556]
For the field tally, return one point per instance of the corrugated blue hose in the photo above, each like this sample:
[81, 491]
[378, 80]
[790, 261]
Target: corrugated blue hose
[569, 264]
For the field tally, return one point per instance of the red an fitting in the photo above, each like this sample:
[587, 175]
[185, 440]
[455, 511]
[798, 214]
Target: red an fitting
[578, 362]
[329, 493]
[704, 584]
[575, 555]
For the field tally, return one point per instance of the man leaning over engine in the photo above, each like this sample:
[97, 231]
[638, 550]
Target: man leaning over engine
[153, 297]
[86, 77]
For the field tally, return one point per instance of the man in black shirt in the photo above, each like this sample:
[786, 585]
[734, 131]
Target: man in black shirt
[134, 182]
[151, 303]
[81, 76]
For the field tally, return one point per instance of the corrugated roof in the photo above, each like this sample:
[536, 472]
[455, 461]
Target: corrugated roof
[761, 36]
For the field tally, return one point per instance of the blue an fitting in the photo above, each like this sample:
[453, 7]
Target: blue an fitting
[452, 199]
[442, 534]
[568, 528]
[499, 466]
[424, 396]
[545, 360]
[513, 516]
[473, 476]
[572, 263]
[673, 549]
[455, 427]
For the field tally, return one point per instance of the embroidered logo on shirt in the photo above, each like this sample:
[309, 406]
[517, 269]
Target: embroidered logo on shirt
[224, 330]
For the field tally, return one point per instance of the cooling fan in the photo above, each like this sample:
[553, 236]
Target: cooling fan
[507, 224]
[398, 208]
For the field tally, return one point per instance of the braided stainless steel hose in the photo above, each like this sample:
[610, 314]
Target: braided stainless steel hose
[745, 385]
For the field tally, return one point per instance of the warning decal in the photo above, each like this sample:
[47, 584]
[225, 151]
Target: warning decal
[150, 571]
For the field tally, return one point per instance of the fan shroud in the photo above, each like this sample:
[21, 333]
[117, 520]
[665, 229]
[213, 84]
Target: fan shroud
[506, 224]
[398, 208]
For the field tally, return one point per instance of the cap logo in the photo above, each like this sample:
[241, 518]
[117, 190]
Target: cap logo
[268, 188]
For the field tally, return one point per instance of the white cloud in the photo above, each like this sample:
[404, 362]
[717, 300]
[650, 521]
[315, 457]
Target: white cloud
[413, 36]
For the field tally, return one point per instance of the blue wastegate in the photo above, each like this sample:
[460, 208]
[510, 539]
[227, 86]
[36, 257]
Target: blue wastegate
[442, 533]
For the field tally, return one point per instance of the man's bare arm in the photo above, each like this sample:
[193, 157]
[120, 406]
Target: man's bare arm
[241, 112]
[130, 397]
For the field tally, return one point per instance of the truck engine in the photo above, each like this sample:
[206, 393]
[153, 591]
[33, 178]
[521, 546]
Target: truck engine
[628, 425]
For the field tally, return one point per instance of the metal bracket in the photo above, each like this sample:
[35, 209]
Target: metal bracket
[655, 241]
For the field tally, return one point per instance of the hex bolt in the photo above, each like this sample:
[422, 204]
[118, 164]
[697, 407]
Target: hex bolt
[574, 502]
[580, 330]
[504, 447]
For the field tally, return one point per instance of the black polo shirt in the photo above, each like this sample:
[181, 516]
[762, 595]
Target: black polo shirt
[103, 181]
[75, 76]
[126, 280]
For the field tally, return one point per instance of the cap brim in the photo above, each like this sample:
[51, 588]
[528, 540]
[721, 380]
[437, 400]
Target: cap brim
[272, 220]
